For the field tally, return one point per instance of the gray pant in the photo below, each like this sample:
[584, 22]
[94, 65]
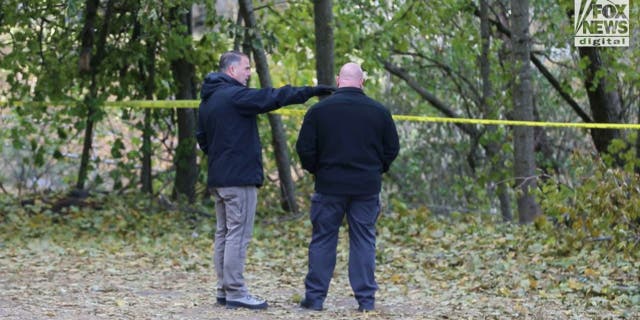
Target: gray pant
[235, 214]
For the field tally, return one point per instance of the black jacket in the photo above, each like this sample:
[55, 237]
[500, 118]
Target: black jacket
[228, 130]
[347, 141]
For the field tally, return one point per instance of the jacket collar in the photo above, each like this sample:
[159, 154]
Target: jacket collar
[350, 90]
[215, 80]
[226, 78]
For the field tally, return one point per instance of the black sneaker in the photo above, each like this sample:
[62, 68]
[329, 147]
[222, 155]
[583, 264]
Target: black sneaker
[249, 302]
[221, 301]
[305, 304]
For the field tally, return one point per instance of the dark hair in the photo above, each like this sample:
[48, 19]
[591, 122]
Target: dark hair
[228, 58]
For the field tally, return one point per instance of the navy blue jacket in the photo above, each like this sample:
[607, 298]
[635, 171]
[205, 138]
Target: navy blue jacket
[347, 141]
[228, 130]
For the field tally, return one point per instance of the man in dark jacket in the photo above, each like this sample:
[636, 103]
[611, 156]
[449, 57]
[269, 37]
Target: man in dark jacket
[228, 134]
[346, 141]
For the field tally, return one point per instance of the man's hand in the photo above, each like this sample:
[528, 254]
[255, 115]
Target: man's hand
[323, 90]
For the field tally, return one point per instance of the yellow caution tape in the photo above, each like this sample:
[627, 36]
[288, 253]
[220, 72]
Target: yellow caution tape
[297, 112]
[300, 112]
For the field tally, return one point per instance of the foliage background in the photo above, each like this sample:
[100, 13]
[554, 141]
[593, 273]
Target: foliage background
[442, 251]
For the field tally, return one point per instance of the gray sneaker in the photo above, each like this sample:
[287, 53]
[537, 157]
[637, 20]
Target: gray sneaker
[249, 302]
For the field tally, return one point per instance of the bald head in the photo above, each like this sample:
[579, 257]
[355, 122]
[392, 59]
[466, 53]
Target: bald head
[351, 75]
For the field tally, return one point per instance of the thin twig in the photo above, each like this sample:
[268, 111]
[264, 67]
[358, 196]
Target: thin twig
[598, 239]
[3, 189]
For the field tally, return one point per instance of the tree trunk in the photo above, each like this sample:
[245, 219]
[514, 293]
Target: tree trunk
[524, 162]
[280, 147]
[239, 39]
[147, 73]
[89, 64]
[493, 148]
[185, 159]
[90, 103]
[147, 152]
[323, 17]
[149, 88]
[603, 99]
[637, 166]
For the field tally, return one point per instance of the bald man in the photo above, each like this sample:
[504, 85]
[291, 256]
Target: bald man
[346, 141]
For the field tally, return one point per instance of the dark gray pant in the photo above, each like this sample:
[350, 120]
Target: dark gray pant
[235, 214]
[327, 213]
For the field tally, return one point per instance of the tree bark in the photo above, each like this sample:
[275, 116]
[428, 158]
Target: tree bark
[239, 39]
[493, 147]
[637, 166]
[524, 162]
[88, 63]
[280, 147]
[185, 159]
[149, 88]
[605, 102]
[147, 72]
[323, 19]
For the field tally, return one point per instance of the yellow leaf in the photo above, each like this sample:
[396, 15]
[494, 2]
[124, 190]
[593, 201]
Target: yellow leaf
[396, 278]
[575, 285]
[591, 273]
[504, 291]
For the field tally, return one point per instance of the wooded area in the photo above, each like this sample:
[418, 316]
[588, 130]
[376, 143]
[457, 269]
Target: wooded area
[66, 154]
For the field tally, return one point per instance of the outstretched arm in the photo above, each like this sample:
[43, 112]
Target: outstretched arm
[254, 101]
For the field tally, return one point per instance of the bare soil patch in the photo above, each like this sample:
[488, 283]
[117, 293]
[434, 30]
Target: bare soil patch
[46, 281]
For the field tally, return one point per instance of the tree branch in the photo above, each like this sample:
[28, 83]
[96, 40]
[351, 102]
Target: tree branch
[552, 80]
[545, 72]
[3, 189]
[425, 94]
[476, 96]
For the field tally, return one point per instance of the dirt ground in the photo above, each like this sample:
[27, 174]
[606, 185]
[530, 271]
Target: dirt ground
[43, 281]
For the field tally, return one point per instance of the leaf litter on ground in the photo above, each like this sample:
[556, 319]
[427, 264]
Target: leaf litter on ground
[108, 263]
